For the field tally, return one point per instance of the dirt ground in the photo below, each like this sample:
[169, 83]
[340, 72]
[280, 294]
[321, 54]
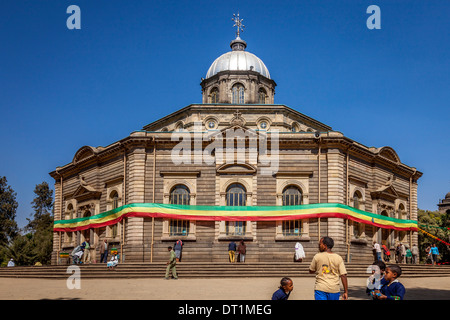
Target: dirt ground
[432, 288]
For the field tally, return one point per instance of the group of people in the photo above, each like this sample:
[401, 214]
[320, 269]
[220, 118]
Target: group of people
[330, 270]
[82, 254]
[237, 253]
[403, 254]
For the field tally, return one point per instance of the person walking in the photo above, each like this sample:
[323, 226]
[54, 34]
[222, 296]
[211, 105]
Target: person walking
[104, 251]
[397, 253]
[232, 251]
[434, 254]
[329, 269]
[242, 250]
[171, 265]
[408, 255]
[403, 253]
[386, 253]
[428, 255]
[377, 250]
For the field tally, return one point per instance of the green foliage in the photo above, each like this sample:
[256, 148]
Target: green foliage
[41, 226]
[36, 244]
[8, 209]
[436, 224]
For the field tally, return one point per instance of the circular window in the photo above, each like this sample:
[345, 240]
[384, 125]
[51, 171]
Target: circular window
[211, 124]
[263, 124]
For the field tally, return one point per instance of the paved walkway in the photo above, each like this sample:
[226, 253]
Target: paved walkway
[432, 288]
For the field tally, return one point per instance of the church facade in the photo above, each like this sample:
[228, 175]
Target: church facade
[235, 167]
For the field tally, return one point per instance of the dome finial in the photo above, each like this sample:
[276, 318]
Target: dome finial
[238, 43]
[238, 24]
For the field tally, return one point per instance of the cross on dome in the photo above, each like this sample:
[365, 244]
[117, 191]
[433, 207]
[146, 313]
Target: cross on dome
[238, 24]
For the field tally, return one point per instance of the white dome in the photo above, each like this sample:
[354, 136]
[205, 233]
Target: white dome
[238, 60]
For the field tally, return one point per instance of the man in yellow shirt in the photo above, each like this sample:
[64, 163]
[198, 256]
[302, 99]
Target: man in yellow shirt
[329, 269]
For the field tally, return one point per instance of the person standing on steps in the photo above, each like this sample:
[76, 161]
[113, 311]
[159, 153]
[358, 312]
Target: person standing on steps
[178, 247]
[232, 251]
[242, 249]
[104, 251]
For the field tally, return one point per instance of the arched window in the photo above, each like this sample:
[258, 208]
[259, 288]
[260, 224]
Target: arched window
[114, 198]
[70, 213]
[262, 96]
[236, 196]
[358, 228]
[357, 200]
[295, 127]
[179, 194]
[214, 96]
[402, 214]
[238, 94]
[292, 196]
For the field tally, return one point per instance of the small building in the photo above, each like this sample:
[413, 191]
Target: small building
[444, 204]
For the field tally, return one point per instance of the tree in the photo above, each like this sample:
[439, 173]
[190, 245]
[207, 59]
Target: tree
[435, 223]
[20, 250]
[41, 226]
[8, 209]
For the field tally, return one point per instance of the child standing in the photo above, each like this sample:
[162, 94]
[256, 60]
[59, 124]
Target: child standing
[392, 289]
[376, 279]
[285, 289]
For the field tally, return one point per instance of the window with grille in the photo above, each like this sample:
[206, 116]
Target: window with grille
[179, 195]
[214, 97]
[358, 228]
[238, 94]
[292, 228]
[236, 196]
[292, 196]
[262, 96]
[178, 227]
[115, 204]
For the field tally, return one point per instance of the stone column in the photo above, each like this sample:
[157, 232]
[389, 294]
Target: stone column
[135, 190]
[336, 194]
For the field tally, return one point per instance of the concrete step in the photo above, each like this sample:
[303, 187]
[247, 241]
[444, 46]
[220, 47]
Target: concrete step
[204, 270]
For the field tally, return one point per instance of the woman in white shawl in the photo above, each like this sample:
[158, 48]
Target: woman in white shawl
[113, 262]
[299, 252]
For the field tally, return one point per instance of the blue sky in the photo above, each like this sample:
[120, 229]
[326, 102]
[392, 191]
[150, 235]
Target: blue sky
[134, 62]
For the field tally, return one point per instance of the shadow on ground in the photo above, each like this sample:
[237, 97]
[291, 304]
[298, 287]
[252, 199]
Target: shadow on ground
[415, 293]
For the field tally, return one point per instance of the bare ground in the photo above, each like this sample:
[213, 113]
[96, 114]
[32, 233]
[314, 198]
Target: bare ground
[431, 288]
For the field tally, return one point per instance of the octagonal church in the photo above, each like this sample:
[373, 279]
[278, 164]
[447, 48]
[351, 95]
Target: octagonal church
[235, 167]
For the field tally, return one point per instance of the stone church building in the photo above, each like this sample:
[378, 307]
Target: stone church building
[235, 167]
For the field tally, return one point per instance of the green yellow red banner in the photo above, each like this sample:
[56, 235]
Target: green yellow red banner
[434, 237]
[227, 213]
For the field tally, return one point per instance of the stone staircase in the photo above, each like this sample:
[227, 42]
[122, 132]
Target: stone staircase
[206, 270]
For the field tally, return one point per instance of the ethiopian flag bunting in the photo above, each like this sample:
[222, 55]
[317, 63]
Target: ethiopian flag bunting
[227, 213]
